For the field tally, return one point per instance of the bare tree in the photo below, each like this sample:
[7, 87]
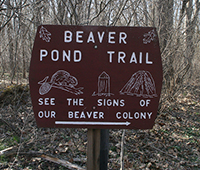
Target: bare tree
[177, 23]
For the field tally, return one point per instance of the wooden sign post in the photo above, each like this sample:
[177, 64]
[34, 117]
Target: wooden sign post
[93, 149]
[97, 150]
[95, 77]
[104, 149]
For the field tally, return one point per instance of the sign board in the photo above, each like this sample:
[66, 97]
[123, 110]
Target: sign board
[95, 77]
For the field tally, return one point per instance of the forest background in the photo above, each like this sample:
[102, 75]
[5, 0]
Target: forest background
[174, 141]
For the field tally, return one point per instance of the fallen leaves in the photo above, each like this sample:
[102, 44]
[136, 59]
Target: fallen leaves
[173, 143]
[62, 148]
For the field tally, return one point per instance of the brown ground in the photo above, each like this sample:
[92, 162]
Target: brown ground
[173, 143]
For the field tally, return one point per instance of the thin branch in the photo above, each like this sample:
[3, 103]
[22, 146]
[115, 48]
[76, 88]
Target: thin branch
[2, 2]
[122, 150]
[99, 12]
[14, 150]
[74, 12]
[119, 13]
[7, 21]
[61, 162]
[14, 129]
[89, 7]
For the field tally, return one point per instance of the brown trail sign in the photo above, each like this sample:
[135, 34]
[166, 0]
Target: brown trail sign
[95, 77]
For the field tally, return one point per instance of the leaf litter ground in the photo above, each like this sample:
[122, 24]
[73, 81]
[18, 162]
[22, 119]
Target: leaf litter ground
[173, 143]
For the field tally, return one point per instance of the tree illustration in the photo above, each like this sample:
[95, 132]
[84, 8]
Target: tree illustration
[141, 84]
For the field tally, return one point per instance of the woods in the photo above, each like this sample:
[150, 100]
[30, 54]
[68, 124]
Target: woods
[178, 26]
[177, 23]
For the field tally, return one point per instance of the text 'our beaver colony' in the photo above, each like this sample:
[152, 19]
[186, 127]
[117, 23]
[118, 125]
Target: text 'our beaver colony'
[80, 37]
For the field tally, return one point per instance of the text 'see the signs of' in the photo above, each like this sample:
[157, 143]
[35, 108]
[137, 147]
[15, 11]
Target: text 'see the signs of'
[95, 77]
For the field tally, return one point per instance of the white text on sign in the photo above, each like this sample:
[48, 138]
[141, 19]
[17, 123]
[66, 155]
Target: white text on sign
[111, 37]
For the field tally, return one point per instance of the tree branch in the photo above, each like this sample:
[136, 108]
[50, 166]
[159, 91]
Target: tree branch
[14, 150]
